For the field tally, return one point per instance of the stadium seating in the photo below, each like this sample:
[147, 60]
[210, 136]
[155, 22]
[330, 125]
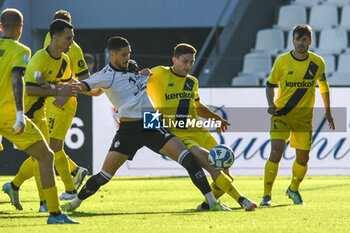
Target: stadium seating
[290, 16]
[330, 40]
[290, 46]
[246, 80]
[339, 79]
[269, 40]
[333, 41]
[345, 18]
[339, 3]
[308, 3]
[323, 16]
[344, 63]
[257, 63]
[329, 59]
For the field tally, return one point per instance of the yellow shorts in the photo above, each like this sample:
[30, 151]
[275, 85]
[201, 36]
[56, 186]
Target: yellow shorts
[39, 119]
[59, 120]
[190, 138]
[30, 135]
[300, 132]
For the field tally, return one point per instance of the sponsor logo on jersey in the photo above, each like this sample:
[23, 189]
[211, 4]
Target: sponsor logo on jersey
[300, 84]
[181, 95]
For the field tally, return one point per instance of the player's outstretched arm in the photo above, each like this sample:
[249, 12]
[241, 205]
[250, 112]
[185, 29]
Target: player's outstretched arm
[203, 111]
[17, 88]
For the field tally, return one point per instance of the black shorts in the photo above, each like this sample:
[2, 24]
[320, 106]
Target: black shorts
[131, 136]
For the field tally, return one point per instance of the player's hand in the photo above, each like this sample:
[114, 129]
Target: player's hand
[272, 109]
[133, 67]
[68, 90]
[42, 82]
[60, 101]
[146, 72]
[330, 120]
[223, 128]
[18, 128]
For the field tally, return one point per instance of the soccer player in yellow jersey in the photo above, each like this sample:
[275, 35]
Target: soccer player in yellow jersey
[175, 94]
[59, 115]
[52, 65]
[296, 73]
[14, 125]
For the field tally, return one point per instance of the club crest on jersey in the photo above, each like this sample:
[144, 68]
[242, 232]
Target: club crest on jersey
[151, 120]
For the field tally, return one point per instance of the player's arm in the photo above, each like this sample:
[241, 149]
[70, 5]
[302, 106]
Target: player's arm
[34, 89]
[17, 88]
[203, 111]
[324, 89]
[270, 94]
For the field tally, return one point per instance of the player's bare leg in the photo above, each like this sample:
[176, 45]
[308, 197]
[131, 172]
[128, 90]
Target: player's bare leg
[41, 152]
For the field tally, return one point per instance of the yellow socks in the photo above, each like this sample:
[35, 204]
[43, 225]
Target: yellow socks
[25, 172]
[72, 165]
[51, 198]
[216, 190]
[299, 172]
[62, 166]
[38, 181]
[224, 183]
[271, 170]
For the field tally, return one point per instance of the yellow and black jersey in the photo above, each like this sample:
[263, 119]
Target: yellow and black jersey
[173, 95]
[297, 80]
[13, 56]
[54, 70]
[76, 57]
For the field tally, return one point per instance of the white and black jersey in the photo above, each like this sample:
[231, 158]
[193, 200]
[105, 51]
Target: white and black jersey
[126, 91]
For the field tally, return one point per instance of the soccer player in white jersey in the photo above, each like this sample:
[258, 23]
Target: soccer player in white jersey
[127, 92]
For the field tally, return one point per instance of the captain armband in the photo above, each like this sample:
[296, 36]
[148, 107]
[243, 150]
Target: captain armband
[323, 85]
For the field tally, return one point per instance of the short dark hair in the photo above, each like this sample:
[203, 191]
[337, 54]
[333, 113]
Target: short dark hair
[182, 49]
[62, 14]
[117, 43]
[302, 30]
[11, 18]
[58, 25]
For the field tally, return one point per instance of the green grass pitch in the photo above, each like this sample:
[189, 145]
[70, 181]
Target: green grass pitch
[167, 204]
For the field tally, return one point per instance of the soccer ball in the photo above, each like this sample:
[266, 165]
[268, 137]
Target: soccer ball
[221, 157]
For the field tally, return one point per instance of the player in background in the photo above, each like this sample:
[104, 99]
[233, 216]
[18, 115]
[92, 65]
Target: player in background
[59, 114]
[90, 62]
[296, 73]
[53, 65]
[127, 92]
[168, 82]
[14, 125]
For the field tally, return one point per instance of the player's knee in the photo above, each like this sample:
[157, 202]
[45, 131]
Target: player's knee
[275, 156]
